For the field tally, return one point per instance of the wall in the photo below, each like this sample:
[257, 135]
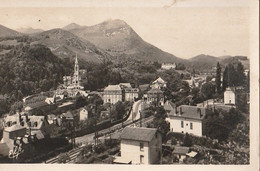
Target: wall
[175, 126]
[155, 149]
[130, 150]
[130, 96]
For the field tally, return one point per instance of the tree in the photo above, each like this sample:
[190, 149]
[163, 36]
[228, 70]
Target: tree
[208, 90]
[218, 79]
[240, 76]
[160, 123]
[80, 102]
[225, 79]
[187, 141]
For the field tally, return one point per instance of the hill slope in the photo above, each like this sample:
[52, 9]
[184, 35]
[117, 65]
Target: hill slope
[66, 45]
[119, 39]
[29, 30]
[206, 62]
[71, 26]
[6, 32]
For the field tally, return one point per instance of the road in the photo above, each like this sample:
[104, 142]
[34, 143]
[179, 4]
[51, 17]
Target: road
[135, 114]
[116, 130]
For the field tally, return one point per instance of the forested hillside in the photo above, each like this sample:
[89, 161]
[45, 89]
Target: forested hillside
[27, 69]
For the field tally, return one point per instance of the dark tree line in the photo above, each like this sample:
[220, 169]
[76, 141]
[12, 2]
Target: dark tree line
[233, 76]
[29, 69]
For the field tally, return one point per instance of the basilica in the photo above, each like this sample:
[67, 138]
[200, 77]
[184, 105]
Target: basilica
[71, 86]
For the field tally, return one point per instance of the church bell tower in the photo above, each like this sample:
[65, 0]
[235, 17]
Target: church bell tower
[76, 73]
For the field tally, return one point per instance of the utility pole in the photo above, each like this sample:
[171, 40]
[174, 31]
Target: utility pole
[141, 117]
[109, 119]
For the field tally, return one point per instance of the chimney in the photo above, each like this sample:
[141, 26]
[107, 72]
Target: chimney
[176, 110]
[180, 110]
[199, 112]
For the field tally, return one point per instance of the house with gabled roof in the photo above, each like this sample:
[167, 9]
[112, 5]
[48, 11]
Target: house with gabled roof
[185, 118]
[140, 146]
[159, 83]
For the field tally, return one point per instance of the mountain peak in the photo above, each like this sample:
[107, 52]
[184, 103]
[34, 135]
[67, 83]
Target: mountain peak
[71, 26]
[113, 24]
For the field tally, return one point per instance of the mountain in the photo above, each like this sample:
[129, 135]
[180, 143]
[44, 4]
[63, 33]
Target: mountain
[71, 26]
[6, 32]
[206, 62]
[66, 45]
[118, 39]
[205, 59]
[29, 30]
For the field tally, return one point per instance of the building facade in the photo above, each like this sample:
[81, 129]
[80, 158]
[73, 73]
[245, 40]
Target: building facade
[168, 66]
[154, 96]
[140, 146]
[229, 96]
[131, 94]
[83, 114]
[159, 83]
[113, 94]
[185, 119]
[71, 86]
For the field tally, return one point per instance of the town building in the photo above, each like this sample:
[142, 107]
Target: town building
[140, 146]
[167, 66]
[131, 94]
[185, 119]
[71, 86]
[159, 83]
[17, 143]
[33, 124]
[113, 94]
[230, 96]
[83, 114]
[180, 152]
[154, 96]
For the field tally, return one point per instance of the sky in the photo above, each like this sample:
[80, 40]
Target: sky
[184, 28]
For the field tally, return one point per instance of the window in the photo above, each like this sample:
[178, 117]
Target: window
[182, 124]
[141, 159]
[191, 126]
[141, 146]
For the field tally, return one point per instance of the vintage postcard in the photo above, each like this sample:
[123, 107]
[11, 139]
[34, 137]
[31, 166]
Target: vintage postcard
[117, 84]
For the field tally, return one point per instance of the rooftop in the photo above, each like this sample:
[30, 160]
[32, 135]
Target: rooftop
[32, 119]
[159, 80]
[155, 90]
[112, 88]
[14, 128]
[190, 112]
[138, 134]
[180, 150]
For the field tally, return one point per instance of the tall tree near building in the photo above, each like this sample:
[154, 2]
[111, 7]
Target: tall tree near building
[225, 79]
[240, 76]
[218, 79]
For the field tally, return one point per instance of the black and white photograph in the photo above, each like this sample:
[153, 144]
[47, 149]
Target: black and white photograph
[129, 83]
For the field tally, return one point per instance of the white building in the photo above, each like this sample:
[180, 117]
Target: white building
[131, 94]
[140, 146]
[154, 96]
[113, 94]
[229, 96]
[71, 84]
[168, 66]
[159, 83]
[83, 114]
[185, 119]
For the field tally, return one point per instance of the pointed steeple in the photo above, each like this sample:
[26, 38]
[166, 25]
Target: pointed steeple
[76, 60]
